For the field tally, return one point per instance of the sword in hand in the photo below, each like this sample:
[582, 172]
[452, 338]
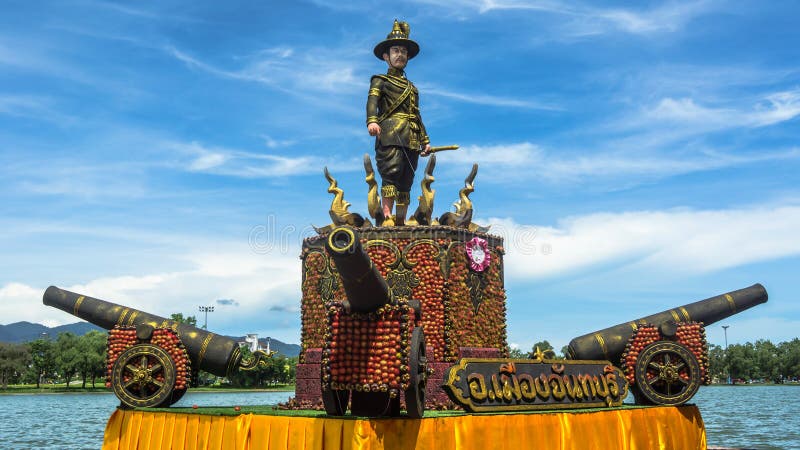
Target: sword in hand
[442, 148]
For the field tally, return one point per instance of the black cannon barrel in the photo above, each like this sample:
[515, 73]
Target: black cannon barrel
[609, 344]
[211, 352]
[365, 287]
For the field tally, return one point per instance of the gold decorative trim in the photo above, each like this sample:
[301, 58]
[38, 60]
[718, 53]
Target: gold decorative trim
[388, 191]
[731, 303]
[203, 348]
[132, 317]
[685, 314]
[375, 92]
[77, 305]
[332, 246]
[339, 207]
[634, 326]
[462, 217]
[121, 318]
[602, 343]
[454, 374]
[675, 315]
[425, 208]
[234, 361]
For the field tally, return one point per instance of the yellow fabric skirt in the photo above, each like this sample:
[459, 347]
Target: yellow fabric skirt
[624, 429]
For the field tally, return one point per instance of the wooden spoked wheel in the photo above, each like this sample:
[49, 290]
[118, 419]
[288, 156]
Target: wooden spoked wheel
[418, 369]
[667, 373]
[144, 376]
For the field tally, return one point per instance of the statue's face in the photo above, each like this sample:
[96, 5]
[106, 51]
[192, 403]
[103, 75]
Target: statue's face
[397, 57]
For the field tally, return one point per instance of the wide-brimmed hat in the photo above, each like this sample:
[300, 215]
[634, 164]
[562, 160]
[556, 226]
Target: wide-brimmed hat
[398, 36]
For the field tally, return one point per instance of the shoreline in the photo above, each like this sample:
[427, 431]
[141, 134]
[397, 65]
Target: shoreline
[103, 390]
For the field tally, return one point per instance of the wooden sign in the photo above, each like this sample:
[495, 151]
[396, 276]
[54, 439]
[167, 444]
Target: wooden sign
[493, 385]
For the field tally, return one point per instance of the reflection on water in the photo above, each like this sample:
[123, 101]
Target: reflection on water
[758, 417]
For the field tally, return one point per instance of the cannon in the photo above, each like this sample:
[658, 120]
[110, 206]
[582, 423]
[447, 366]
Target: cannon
[152, 360]
[374, 348]
[665, 355]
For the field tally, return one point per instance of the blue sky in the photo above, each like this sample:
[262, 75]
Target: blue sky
[167, 155]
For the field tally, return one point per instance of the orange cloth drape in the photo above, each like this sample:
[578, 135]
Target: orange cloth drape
[623, 429]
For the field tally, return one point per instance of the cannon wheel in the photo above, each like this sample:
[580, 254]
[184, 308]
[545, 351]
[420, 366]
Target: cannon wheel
[335, 402]
[667, 373]
[144, 376]
[417, 367]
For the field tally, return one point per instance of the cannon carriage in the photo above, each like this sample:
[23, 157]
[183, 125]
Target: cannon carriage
[375, 345]
[665, 356]
[151, 360]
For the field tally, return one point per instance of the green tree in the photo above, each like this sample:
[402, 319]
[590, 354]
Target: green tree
[790, 358]
[68, 356]
[188, 320]
[517, 353]
[43, 359]
[766, 359]
[548, 350]
[14, 359]
[716, 362]
[92, 356]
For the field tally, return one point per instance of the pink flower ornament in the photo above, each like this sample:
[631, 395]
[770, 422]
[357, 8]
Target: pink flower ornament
[478, 252]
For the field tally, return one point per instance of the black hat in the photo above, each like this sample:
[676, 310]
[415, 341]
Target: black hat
[398, 36]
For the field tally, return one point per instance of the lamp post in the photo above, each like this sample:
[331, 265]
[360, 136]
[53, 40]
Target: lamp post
[206, 310]
[725, 329]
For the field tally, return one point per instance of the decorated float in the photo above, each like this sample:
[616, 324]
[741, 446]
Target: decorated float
[404, 346]
[404, 336]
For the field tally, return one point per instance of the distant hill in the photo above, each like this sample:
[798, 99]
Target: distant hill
[20, 332]
[25, 331]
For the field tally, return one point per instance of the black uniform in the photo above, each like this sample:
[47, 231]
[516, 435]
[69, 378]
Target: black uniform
[393, 103]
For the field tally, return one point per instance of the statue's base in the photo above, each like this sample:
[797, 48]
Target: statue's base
[627, 427]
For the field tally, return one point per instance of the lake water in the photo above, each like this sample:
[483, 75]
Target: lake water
[757, 417]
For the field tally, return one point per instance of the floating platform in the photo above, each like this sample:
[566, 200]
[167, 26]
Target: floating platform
[626, 427]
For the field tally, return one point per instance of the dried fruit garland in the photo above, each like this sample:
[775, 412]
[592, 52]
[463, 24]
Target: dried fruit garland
[368, 352]
[446, 327]
[319, 276]
[471, 323]
[691, 335]
[122, 338]
[430, 293]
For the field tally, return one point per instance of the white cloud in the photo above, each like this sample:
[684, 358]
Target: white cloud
[669, 17]
[659, 243]
[238, 163]
[293, 72]
[258, 283]
[770, 110]
[33, 107]
[276, 143]
[586, 19]
[489, 100]
[510, 162]
[206, 161]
